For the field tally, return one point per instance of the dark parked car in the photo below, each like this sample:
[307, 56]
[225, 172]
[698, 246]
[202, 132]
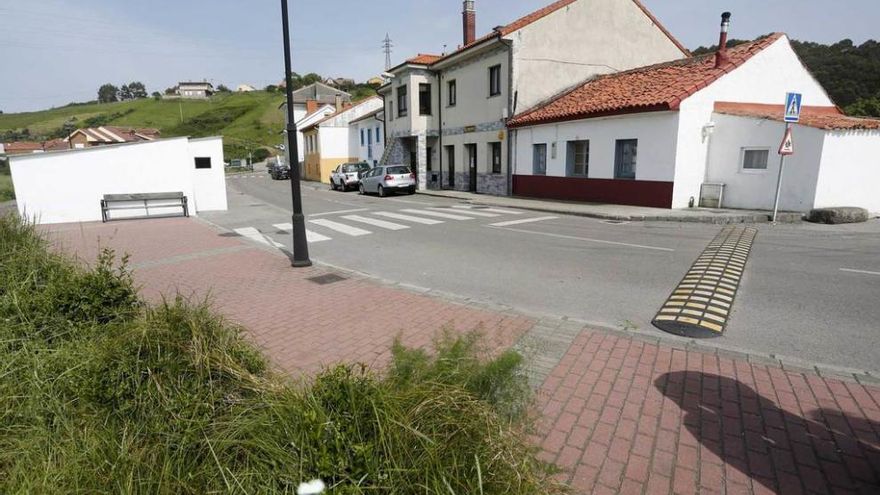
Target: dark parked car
[279, 171]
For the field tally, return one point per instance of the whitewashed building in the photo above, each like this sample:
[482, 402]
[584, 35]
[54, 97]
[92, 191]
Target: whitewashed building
[365, 136]
[67, 186]
[446, 114]
[309, 101]
[698, 130]
[195, 90]
[329, 143]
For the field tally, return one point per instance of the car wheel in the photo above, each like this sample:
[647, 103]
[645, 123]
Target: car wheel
[412, 190]
[362, 190]
[332, 185]
[381, 192]
[343, 187]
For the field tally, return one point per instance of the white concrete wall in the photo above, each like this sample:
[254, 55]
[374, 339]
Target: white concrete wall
[333, 142]
[362, 151]
[656, 133]
[209, 185]
[756, 190]
[765, 78]
[473, 104]
[850, 172]
[67, 186]
[586, 38]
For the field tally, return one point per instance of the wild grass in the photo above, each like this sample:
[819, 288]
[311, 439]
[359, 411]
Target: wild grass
[102, 393]
[7, 192]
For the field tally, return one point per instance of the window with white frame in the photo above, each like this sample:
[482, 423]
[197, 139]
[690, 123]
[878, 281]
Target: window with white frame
[495, 80]
[755, 159]
[578, 158]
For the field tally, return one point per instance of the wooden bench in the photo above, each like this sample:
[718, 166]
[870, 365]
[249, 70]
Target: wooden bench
[144, 201]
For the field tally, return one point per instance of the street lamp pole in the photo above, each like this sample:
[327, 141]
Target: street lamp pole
[300, 244]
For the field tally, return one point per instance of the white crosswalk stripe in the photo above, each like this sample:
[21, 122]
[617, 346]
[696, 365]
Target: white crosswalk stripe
[341, 227]
[408, 218]
[437, 214]
[475, 213]
[519, 222]
[376, 222]
[311, 237]
[491, 210]
[255, 235]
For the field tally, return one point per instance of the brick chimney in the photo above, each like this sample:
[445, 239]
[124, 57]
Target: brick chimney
[721, 54]
[311, 106]
[338, 102]
[469, 22]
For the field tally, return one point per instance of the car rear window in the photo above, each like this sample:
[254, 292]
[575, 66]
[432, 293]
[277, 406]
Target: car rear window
[397, 170]
[351, 168]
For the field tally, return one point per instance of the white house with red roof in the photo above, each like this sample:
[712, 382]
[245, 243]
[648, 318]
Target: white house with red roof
[329, 142]
[446, 114]
[698, 130]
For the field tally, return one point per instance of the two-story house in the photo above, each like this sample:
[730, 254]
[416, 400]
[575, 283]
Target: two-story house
[195, 90]
[447, 114]
[312, 99]
[365, 135]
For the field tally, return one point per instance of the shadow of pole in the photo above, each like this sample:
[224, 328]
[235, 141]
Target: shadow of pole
[825, 452]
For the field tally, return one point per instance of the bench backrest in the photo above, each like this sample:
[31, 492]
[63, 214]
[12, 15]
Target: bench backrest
[143, 196]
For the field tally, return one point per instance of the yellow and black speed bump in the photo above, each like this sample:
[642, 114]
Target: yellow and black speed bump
[701, 304]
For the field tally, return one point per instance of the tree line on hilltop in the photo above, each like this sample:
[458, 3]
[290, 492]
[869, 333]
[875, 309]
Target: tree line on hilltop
[850, 73]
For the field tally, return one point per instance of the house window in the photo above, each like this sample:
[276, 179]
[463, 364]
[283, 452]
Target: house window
[452, 95]
[578, 158]
[495, 80]
[539, 159]
[626, 153]
[450, 165]
[378, 135]
[362, 137]
[401, 101]
[203, 162]
[391, 110]
[495, 157]
[424, 99]
[755, 159]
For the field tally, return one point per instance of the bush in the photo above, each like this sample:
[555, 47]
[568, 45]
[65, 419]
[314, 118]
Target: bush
[102, 393]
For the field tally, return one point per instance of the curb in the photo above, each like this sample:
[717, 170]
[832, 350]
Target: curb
[730, 219]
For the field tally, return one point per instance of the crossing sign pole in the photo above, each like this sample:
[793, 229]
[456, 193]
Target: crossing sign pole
[792, 116]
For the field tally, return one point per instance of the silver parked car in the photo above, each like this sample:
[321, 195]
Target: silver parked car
[386, 179]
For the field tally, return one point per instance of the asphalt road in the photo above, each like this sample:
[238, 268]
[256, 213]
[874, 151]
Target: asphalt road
[809, 292]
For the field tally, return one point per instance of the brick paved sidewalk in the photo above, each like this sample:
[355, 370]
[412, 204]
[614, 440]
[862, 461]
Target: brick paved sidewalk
[619, 415]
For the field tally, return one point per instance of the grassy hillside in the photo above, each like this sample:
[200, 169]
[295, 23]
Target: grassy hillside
[246, 120]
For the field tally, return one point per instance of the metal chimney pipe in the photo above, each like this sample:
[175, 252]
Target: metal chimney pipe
[721, 54]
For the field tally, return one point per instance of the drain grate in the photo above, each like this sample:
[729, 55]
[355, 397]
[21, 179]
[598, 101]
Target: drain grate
[330, 278]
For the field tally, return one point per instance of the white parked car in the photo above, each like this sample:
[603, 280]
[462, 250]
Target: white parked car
[347, 175]
[386, 179]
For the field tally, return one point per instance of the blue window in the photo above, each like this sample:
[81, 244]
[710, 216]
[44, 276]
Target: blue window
[378, 135]
[362, 137]
[370, 137]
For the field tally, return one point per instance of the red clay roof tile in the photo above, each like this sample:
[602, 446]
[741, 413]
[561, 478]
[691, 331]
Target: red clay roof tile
[827, 118]
[423, 59]
[652, 88]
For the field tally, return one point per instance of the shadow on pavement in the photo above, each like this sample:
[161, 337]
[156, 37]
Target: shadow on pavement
[822, 451]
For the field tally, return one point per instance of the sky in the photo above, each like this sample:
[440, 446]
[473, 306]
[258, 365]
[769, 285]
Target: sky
[53, 52]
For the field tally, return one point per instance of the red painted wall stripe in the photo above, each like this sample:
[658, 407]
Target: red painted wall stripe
[621, 192]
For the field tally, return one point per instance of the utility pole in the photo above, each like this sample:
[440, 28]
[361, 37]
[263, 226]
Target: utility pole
[300, 244]
[386, 47]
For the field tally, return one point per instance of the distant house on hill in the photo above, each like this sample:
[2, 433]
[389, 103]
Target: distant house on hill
[338, 82]
[98, 136]
[195, 90]
[245, 88]
[21, 147]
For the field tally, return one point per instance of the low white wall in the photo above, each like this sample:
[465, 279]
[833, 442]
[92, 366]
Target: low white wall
[850, 173]
[757, 189]
[656, 133]
[334, 143]
[67, 186]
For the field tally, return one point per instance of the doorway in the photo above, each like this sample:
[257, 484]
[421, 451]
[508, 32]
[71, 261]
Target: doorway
[472, 166]
[450, 159]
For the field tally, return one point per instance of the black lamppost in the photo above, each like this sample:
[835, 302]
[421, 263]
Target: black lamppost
[300, 244]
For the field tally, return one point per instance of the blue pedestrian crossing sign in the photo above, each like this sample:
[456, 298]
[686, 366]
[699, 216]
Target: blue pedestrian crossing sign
[793, 107]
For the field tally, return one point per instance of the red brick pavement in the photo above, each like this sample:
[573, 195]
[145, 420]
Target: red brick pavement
[301, 325]
[625, 416]
[618, 415]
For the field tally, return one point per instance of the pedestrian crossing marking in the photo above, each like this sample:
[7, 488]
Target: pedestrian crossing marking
[490, 210]
[728, 252]
[408, 218]
[520, 222]
[341, 227]
[437, 214]
[376, 222]
[469, 212]
[255, 235]
[311, 237]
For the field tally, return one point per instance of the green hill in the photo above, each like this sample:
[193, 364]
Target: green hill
[245, 120]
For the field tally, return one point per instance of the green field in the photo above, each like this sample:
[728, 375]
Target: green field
[6, 191]
[246, 120]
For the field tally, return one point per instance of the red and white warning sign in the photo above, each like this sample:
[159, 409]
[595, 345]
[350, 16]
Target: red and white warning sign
[787, 146]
